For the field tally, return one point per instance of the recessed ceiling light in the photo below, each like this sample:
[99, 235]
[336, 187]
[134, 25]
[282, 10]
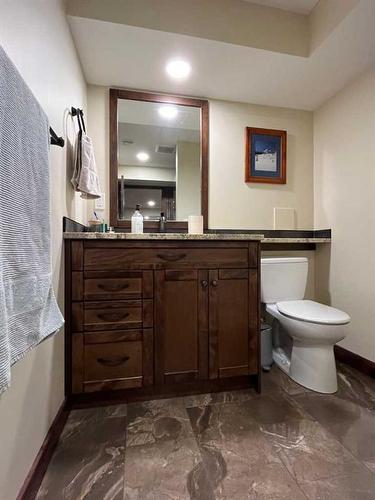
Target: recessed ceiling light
[151, 203]
[168, 112]
[142, 156]
[178, 69]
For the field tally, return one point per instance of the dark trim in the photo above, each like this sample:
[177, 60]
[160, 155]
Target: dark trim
[356, 361]
[322, 233]
[278, 233]
[114, 96]
[278, 247]
[72, 226]
[35, 476]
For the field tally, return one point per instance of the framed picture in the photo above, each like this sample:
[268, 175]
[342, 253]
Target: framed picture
[265, 155]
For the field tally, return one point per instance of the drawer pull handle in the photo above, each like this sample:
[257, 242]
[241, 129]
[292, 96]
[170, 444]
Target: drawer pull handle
[214, 283]
[204, 284]
[113, 288]
[113, 316]
[171, 257]
[113, 362]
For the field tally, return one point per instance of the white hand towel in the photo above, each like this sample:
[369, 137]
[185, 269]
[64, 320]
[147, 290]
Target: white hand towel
[85, 178]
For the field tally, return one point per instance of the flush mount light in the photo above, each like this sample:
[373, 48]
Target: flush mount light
[142, 156]
[168, 112]
[151, 203]
[178, 69]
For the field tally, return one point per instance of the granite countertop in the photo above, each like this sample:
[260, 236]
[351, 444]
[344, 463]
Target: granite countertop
[163, 236]
[194, 237]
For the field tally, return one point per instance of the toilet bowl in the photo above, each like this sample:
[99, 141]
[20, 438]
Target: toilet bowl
[313, 327]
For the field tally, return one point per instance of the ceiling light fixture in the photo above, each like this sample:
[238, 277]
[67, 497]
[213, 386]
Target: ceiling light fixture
[178, 69]
[151, 203]
[168, 112]
[142, 156]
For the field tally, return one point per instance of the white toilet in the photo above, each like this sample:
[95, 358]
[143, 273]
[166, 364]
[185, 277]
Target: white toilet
[314, 328]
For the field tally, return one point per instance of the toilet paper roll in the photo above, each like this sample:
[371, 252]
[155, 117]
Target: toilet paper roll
[195, 224]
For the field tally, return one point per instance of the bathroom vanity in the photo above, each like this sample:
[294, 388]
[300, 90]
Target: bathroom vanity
[160, 314]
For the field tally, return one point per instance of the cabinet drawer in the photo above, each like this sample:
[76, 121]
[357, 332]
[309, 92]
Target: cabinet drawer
[112, 315]
[112, 288]
[120, 361]
[161, 258]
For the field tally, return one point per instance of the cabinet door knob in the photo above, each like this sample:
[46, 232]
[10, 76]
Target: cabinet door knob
[204, 284]
[214, 283]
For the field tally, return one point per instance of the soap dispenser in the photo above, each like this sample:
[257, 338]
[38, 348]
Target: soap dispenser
[162, 221]
[137, 221]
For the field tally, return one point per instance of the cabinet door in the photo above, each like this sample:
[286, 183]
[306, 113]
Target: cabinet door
[230, 324]
[181, 325]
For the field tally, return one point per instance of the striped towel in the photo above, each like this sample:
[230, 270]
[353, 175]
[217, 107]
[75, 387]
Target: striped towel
[28, 308]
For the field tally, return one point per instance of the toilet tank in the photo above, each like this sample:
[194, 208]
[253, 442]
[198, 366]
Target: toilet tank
[283, 278]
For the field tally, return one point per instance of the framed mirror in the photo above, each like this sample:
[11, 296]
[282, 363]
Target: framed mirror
[158, 159]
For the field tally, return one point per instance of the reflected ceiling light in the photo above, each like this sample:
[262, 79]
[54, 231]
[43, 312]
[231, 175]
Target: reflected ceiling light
[151, 203]
[168, 112]
[142, 156]
[178, 69]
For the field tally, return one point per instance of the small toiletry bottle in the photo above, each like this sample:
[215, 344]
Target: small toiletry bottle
[162, 221]
[137, 221]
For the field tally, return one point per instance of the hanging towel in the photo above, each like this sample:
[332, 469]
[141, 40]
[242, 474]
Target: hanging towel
[28, 309]
[85, 178]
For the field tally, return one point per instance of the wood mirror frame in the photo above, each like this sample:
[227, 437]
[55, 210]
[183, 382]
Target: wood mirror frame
[149, 226]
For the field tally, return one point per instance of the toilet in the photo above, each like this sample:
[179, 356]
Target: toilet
[305, 331]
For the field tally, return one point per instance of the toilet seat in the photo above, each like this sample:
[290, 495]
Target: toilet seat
[312, 312]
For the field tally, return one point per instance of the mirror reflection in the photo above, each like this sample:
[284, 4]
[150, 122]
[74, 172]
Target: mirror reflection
[159, 160]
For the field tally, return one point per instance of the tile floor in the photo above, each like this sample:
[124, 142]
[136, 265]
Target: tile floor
[287, 443]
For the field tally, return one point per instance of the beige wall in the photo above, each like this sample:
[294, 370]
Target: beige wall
[98, 130]
[188, 180]
[344, 150]
[233, 204]
[36, 37]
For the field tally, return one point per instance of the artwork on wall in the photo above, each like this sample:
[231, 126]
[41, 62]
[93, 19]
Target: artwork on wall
[265, 155]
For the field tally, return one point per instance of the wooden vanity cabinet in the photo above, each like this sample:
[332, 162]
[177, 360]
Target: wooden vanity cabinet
[154, 316]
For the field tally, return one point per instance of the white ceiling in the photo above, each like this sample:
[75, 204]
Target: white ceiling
[298, 6]
[131, 57]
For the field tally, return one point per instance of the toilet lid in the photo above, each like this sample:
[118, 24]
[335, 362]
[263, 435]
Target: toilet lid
[313, 312]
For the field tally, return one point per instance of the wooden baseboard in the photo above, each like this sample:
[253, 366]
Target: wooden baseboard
[363, 365]
[35, 476]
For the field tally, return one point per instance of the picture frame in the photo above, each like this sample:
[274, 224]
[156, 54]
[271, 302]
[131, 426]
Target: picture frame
[265, 155]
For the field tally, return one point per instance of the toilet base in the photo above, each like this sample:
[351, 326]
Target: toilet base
[314, 367]
[281, 359]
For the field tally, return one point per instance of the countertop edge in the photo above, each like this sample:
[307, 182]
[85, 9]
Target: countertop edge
[162, 236]
[188, 237]
[296, 240]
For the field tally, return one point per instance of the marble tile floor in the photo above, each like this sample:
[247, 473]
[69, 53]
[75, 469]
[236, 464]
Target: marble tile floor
[287, 443]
